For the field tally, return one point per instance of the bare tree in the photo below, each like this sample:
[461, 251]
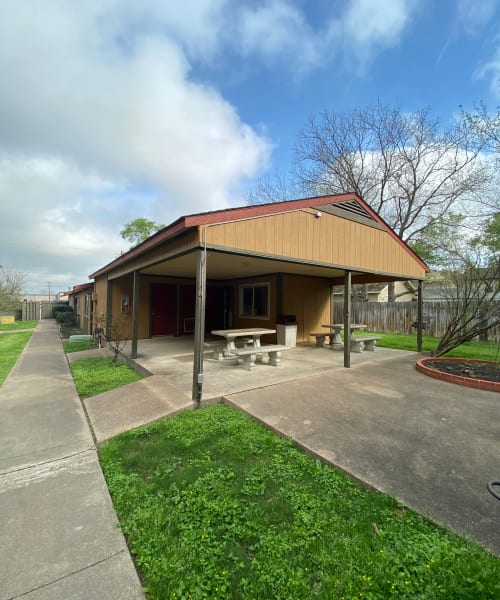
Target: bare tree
[411, 171]
[11, 288]
[471, 287]
[113, 330]
[486, 126]
[276, 188]
[408, 169]
[473, 299]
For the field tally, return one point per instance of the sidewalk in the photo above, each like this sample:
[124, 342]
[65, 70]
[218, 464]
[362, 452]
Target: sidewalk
[60, 535]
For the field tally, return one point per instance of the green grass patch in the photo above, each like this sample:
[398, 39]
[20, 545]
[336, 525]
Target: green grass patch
[11, 346]
[78, 346]
[93, 376]
[216, 506]
[19, 325]
[403, 341]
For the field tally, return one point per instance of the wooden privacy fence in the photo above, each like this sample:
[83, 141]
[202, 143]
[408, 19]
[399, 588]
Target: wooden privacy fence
[398, 317]
[36, 310]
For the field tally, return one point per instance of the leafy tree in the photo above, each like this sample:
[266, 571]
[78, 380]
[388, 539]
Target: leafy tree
[11, 288]
[138, 230]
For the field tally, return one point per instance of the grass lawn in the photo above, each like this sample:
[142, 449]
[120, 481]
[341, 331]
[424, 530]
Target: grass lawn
[19, 325]
[402, 341]
[93, 376]
[214, 506]
[78, 346]
[11, 346]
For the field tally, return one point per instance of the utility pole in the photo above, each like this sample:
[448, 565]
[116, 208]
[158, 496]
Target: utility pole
[49, 291]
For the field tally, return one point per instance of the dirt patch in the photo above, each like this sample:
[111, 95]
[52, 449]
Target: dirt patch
[488, 371]
[472, 373]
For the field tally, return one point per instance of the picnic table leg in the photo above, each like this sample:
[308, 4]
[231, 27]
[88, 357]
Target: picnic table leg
[336, 340]
[229, 357]
[256, 344]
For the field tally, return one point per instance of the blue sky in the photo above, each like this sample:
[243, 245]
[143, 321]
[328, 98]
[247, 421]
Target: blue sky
[114, 109]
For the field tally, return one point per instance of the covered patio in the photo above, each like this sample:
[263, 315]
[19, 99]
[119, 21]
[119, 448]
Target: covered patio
[173, 356]
[167, 363]
[247, 268]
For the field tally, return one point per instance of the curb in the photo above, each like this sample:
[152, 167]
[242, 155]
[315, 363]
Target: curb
[481, 384]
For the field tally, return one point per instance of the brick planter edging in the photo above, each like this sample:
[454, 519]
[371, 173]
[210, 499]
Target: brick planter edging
[481, 384]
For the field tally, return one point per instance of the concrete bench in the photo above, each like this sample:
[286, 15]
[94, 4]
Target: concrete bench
[219, 348]
[251, 354]
[320, 338]
[358, 344]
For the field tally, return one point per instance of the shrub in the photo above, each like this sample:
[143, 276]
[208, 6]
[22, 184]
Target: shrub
[61, 308]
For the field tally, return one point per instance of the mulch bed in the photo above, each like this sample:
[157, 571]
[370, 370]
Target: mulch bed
[486, 371]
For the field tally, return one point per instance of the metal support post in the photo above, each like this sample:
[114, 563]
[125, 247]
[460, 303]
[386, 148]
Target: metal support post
[135, 313]
[347, 319]
[199, 325]
[419, 316]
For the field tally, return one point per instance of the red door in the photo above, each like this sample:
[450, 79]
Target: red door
[163, 298]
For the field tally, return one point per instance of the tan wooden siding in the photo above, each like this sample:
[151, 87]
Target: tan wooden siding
[328, 239]
[309, 300]
[122, 320]
[100, 296]
[164, 252]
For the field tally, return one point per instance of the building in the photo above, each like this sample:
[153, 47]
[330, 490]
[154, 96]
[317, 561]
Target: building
[250, 267]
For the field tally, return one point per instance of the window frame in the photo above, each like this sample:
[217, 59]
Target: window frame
[252, 286]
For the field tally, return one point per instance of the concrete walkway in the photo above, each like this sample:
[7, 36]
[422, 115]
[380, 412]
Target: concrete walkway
[59, 534]
[432, 444]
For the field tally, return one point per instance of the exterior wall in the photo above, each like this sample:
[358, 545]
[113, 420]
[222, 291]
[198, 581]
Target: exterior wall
[309, 300]
[328, 240]
[82, 305]
[122, 291]
[167, 250]
[99, 301]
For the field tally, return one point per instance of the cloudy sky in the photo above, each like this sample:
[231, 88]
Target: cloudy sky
[116, 109]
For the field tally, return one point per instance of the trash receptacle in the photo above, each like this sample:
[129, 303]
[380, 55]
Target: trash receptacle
[286, 330]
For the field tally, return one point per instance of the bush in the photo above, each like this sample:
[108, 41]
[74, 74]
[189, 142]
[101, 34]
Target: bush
[61, 308]
[64, 315]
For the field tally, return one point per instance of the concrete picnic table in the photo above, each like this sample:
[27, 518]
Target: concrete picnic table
[336, 328]
[232, 335]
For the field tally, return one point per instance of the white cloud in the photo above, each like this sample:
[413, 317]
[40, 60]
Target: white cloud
[103, 119]
[472, 15]
[370, 25]
[354, 34]
[491, 69]
[97, 104]
[278, 29]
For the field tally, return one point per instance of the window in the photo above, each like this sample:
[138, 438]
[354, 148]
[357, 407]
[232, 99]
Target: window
[254, 300]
